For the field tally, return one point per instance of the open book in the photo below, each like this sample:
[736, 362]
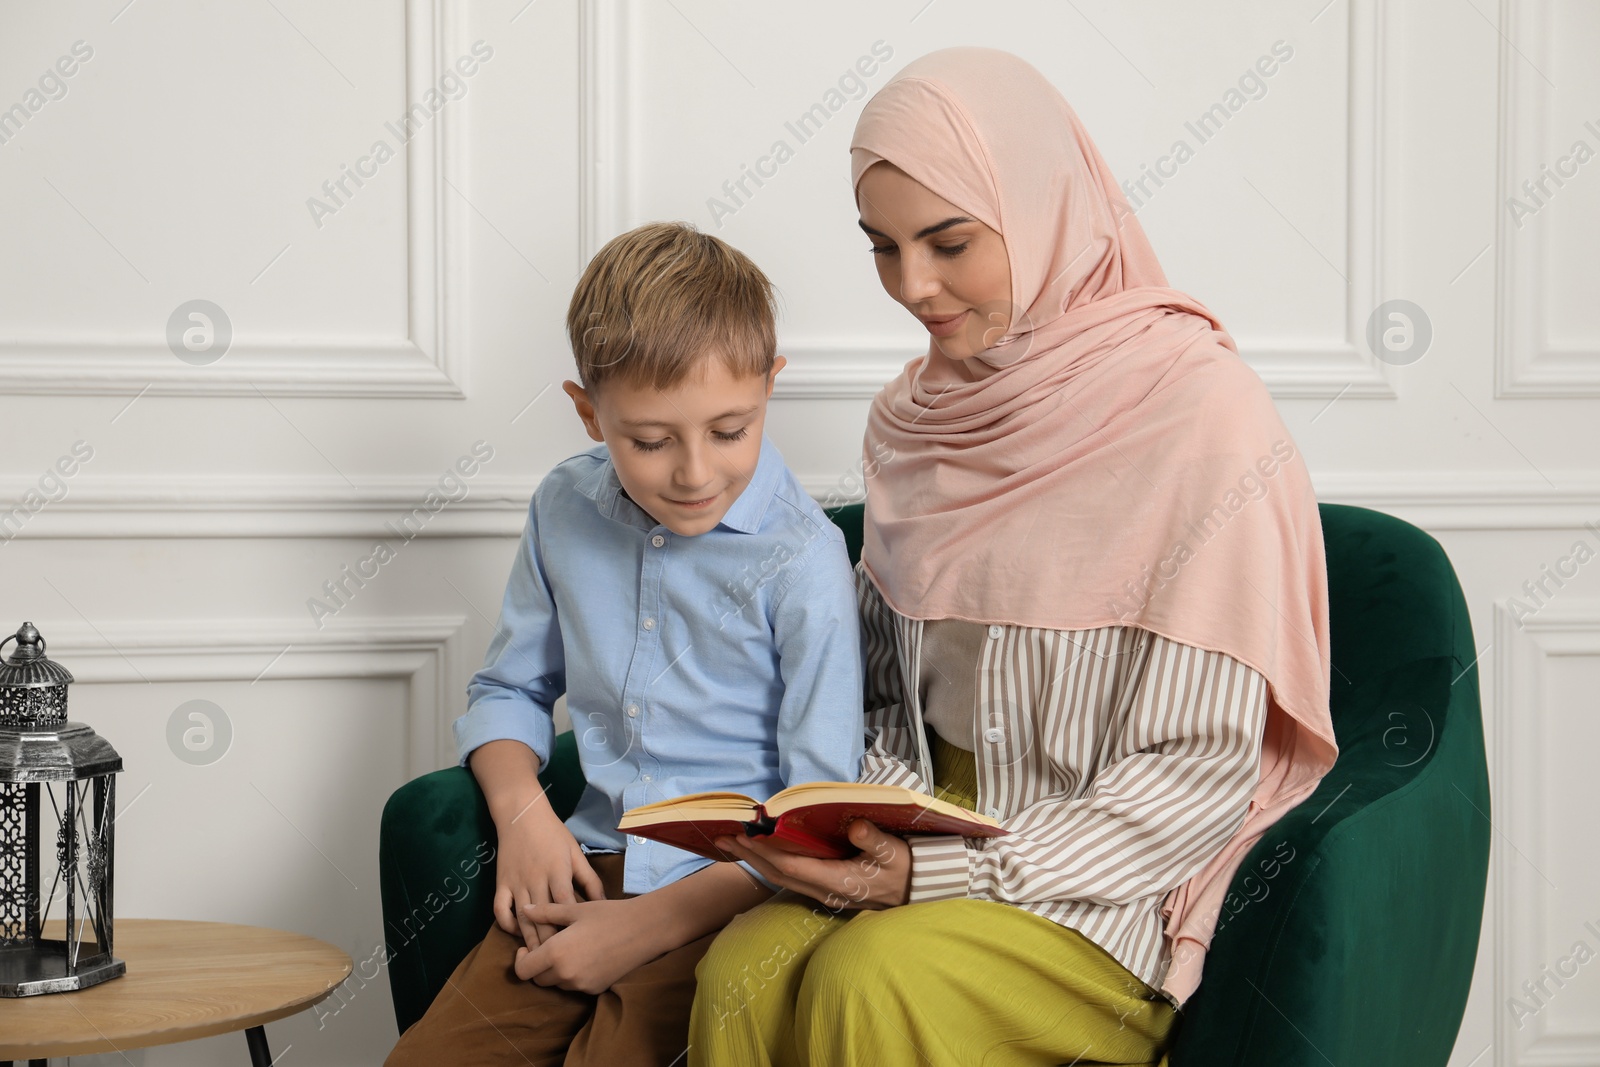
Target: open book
[811, 819]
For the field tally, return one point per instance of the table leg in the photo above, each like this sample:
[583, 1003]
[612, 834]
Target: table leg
[256, 1038]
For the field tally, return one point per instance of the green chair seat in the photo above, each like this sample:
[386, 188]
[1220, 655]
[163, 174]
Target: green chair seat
[1351, 929]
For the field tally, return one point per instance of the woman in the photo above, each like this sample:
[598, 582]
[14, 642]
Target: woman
[1095, 607]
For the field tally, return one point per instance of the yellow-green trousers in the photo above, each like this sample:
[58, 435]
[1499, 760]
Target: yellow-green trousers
[950, 982]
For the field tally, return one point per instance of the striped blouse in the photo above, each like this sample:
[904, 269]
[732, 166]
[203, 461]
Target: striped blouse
[1119, 760]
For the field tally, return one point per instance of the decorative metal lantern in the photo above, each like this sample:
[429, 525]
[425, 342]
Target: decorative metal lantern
[57, 808]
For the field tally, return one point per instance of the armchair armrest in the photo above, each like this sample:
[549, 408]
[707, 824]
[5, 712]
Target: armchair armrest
[436, 863]
[1352, 926]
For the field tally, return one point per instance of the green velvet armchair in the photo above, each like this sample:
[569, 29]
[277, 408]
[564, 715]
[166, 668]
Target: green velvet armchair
[1352, 927]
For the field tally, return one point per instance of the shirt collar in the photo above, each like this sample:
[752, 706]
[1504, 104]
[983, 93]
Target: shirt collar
[604, 487]
[747, 512]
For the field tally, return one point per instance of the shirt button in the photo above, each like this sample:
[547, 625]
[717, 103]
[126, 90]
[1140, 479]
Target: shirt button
[649, 624]
[633, 711]
[993, 813]
[644, 778]
[638, 840]
[996, 631]
[658, 540]
[994, 735]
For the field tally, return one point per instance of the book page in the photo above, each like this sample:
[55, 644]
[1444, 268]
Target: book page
[857, 793]
[695, 807]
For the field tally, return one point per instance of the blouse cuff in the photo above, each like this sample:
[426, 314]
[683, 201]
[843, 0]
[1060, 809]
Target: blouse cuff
[938, 867]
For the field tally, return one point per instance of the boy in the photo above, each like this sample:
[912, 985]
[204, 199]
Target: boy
[698, 610]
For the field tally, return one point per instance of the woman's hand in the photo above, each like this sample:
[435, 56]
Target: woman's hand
[878, 878]
[598, 941]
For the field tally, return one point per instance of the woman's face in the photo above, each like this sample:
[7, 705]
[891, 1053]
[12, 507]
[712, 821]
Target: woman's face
[945, 267]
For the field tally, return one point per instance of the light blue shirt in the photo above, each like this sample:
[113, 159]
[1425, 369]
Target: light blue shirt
[730, 660]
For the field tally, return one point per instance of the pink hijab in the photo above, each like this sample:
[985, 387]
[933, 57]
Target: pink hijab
[1110, 460]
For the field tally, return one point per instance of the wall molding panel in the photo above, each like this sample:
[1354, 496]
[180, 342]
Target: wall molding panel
[426, 362]
[1521, 893]
[605, 141]
[1300, 368]
[1527, 362]
[1433, 500]
[1449, 500]
[273, 506]
[423, 651]
[845, 367]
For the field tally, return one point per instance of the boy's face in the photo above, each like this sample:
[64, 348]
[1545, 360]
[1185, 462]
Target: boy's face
[685, 453]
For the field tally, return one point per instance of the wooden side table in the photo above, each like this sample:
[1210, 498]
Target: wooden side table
[185, 980]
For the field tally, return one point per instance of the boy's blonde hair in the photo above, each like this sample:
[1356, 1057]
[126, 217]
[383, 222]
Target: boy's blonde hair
[656, 301]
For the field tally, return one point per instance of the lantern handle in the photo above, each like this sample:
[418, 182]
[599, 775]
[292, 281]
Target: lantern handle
[14, 637]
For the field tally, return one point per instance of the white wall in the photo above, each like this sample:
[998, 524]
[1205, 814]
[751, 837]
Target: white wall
[374, 344]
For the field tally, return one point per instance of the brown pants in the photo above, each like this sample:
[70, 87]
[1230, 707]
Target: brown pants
[485, 1014]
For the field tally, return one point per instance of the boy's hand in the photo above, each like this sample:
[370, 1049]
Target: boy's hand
[539, 862]
[599, 942]
[880, 877]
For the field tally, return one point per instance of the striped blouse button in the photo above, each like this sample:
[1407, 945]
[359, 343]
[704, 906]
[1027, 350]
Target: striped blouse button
[994, 735]
[993, 813]
[996, 631]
